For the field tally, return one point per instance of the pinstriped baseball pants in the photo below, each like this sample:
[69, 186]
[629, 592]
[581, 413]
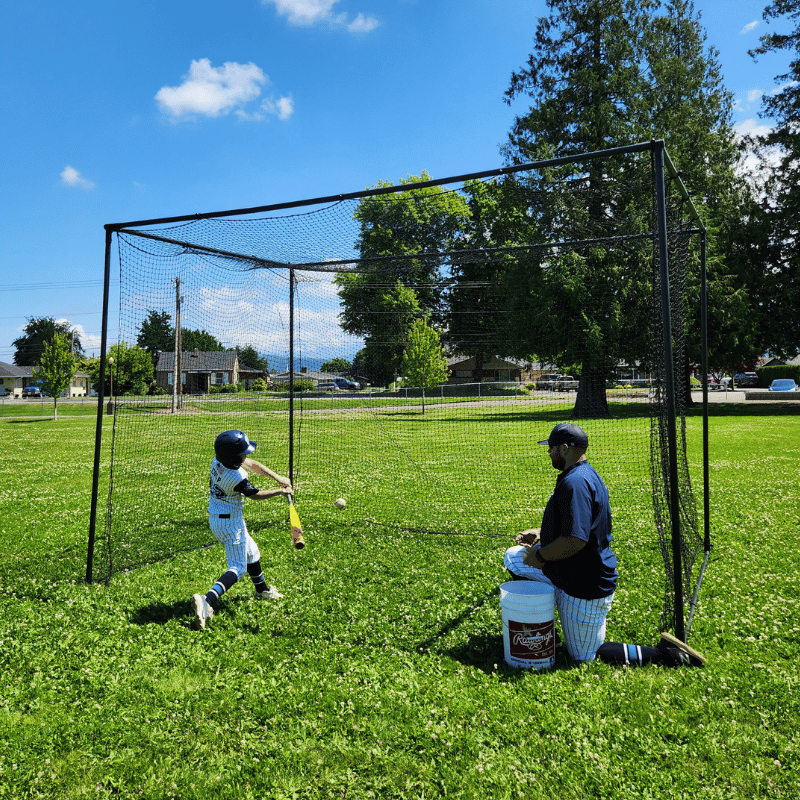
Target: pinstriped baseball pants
[583, 622]
[240, 547]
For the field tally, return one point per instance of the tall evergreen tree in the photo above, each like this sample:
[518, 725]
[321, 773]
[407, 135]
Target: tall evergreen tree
[587, 83]
[689, 107]
[607, 73]
[779, 211]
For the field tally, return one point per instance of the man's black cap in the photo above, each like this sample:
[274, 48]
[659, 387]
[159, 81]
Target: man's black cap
[567, 433]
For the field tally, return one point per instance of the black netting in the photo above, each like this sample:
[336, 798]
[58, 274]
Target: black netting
[525, 276]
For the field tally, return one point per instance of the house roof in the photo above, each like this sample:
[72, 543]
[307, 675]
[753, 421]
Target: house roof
[199, 361]
[491, 360]
[13, 371]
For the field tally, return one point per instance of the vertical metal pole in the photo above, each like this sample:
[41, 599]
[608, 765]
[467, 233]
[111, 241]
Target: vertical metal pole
[704, 332]
[672, 438]
[291, 375]
[177, 367]
[98, 432]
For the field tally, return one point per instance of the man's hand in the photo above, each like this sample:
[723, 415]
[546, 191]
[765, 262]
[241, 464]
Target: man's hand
[529, 537]
[531, 558]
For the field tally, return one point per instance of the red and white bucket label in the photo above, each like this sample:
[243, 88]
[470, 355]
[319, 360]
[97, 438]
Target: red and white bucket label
[532, 641]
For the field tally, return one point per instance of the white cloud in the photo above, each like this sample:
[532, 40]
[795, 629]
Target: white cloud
[753, 95]
[304, 12]
[212, 91]
[71, 177]
[747, 28]
[755, 166]
[311, 12]
[752, 127]
[362, 24]
[779, 89]
[282, 108]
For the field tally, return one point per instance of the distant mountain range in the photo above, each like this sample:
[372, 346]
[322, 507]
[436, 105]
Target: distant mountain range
[280, 363]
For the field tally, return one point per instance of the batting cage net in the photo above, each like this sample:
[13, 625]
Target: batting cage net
[405, 348]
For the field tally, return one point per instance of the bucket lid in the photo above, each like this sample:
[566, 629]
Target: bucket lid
[527, 588]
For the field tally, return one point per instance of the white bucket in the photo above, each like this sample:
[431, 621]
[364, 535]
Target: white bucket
[529, 631]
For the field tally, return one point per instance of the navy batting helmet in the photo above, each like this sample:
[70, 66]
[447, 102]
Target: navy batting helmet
[231, 447]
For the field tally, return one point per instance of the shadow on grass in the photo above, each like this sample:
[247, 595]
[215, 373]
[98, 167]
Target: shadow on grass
[161, 613]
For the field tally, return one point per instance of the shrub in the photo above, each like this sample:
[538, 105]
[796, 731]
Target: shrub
[768, 374]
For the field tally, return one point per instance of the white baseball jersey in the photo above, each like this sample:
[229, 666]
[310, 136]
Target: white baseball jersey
[227, 489]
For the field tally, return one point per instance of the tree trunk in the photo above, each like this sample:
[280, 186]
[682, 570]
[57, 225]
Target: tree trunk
[591, 402]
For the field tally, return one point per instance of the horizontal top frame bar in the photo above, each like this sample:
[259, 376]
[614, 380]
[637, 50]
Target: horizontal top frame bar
[552, 162]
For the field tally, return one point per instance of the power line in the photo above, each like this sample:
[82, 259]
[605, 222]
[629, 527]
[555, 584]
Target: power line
[21, 287]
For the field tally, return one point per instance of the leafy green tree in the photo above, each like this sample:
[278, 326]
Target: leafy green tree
[777, 261]
[200, 340]
[156, 334]
[404, 234]
[336, 365]
[249, 357]
[36, 333]
[424, 362]
[385, 329]
[57, 367]
[132, 368]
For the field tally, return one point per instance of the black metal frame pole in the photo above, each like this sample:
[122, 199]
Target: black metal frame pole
[706, 488]
[669, 376]
[704, 336]
[291, 375]
[98, 435]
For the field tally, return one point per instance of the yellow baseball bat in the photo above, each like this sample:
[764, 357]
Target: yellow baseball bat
[297, 528]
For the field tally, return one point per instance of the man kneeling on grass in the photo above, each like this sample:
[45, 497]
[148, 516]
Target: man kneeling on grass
[572, 553]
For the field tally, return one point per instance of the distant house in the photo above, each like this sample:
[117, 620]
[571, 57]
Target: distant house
[465, 369]
[14, 379]
[304, 374]
[202, 370]
[773, 362]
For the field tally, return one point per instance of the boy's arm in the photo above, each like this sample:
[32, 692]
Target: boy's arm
[263, 494]
[259, 468]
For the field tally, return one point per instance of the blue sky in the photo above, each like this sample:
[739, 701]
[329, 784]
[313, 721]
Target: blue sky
[115, 112]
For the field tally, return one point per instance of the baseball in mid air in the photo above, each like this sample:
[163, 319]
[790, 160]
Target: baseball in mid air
[340, 503]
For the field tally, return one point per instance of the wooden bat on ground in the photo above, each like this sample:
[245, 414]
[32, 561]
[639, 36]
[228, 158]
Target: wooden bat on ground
[297, 528]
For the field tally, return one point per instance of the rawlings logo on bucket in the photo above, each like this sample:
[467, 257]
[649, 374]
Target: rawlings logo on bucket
[530, 640]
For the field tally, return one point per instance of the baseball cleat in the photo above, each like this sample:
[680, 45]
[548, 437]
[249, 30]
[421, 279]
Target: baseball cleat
[678, 653]
[271, 594]
[202, 611]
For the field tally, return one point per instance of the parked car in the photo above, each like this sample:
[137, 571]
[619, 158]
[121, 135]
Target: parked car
[546, 381]
[783, 385]
[327, 386]
[743, 379]
[565, 383]
[32, 391]
[346, 385]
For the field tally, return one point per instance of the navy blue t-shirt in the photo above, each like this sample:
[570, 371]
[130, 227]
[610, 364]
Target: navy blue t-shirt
[579, 507]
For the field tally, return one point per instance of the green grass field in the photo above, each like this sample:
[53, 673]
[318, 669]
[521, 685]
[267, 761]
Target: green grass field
[381, 673]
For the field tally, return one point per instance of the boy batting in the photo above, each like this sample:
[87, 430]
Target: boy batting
[228, 486]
